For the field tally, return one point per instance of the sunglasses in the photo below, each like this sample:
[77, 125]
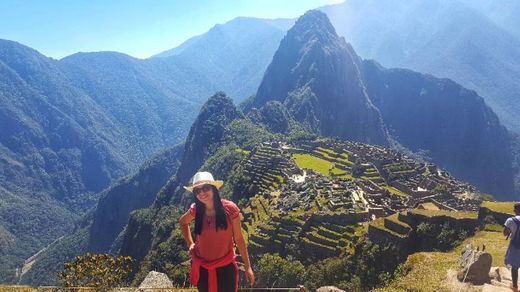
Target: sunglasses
[204, 188]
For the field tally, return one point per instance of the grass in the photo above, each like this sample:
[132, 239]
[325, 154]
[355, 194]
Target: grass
[426, 172]
[394, 191]
[493, 227]
[428, 269]
[313, 243]
[311, 162]
[380, 224]
[330, 151]
[500, 207]
[320, 165]
[16, 288]
[239, 150]
[430, 206]
[342, 174]
[395, 218]
[345, 156]
[456, 215]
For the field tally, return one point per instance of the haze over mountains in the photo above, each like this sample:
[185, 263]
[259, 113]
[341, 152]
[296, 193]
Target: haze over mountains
[470, 42]
[71, 128]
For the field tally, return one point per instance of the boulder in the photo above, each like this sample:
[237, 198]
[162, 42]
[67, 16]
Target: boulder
[475, 265]
[156, 280]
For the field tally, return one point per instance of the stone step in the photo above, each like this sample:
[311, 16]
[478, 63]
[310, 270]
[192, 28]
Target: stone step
[493, 288]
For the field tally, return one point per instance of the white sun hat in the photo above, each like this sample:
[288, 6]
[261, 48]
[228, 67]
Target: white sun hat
[203, 178]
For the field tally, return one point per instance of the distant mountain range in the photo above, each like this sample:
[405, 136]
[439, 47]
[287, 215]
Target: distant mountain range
[475, 43]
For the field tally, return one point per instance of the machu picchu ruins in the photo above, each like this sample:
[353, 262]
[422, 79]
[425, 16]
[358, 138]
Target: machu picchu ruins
[309, 199]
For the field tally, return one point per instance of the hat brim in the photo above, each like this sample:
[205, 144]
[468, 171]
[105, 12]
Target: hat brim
[217, 183]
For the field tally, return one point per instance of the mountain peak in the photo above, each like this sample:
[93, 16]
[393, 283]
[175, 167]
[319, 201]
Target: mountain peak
[206, 132]
[316, 75]
[314, 23]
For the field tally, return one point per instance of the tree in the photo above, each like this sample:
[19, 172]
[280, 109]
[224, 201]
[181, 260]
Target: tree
[96, 270]
[275, 271]
[357, 170]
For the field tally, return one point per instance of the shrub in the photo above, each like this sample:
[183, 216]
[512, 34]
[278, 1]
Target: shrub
[96, 270]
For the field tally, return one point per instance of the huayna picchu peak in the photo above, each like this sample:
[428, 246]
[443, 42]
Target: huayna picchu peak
[317, 76]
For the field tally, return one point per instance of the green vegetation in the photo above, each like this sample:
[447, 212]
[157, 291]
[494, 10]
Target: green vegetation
[427, 270]
[452, 214]
[430, 206]
[101, 271]
[320, 165]
[500, 207]
[442, 237]
[393, 190]
[17, 288]
[45, 270]
[493, 227]
[275, 271]
[312, 162]
[367, 266]
[380, 224]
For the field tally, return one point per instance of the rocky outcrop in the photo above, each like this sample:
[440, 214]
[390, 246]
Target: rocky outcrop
[205, 134]
[475, 266]
[155, 280]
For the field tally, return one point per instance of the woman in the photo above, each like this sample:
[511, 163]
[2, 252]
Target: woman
[511, 227]
[217, 224]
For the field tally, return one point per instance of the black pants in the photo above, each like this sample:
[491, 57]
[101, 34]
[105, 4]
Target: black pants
[226, 279]
[514, 276]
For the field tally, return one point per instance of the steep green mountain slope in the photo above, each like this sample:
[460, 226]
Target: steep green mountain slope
[98, 231]
[444, 38]
[150, 114]
[57, 149]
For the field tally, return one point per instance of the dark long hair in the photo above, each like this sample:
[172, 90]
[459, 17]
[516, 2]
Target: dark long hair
[220, 213]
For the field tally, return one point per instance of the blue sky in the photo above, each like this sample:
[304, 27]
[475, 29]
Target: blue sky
[57, 28]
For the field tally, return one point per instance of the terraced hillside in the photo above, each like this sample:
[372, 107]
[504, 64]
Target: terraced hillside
[310, 199]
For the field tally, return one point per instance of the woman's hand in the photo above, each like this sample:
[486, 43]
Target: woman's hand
[191, 249]
[250, 276]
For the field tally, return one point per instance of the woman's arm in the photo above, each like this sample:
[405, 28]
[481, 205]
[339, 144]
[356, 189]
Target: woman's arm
[242, 248]
[185, 230]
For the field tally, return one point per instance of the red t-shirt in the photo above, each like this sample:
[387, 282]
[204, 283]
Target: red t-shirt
[212, 244]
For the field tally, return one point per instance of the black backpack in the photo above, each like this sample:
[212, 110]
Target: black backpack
[515, 241]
